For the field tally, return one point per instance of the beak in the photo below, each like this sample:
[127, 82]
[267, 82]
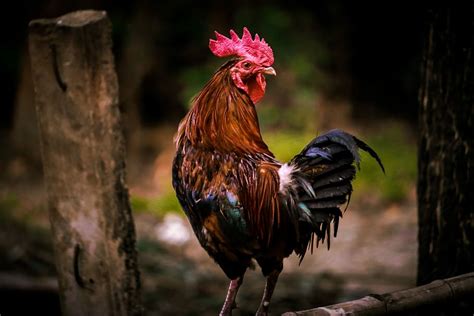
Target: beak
[269, 71]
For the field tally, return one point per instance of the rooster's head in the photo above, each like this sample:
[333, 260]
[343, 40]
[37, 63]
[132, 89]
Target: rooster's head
[254, 59]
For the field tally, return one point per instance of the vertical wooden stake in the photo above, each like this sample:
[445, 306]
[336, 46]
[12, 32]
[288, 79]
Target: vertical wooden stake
[446, 145]
[76, 96]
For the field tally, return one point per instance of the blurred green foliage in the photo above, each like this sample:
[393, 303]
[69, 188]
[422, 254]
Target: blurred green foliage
[285, 144]
[161, 205]
[397, 149]
[8, 203]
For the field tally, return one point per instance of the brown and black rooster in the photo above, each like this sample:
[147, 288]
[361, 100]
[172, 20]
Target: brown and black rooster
[242, 203]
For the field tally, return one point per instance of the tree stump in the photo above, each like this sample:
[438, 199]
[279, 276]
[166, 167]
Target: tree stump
[76, 97]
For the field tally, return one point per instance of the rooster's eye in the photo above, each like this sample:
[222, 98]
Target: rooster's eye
[246, 65]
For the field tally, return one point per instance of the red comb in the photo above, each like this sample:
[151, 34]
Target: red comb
[247, 47]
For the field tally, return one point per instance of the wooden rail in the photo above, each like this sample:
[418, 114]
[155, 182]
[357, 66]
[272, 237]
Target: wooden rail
[439, 292]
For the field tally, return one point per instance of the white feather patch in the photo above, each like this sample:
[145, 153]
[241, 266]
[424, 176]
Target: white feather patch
[286, 177]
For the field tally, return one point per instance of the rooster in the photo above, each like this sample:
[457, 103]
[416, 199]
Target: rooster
[242, 203]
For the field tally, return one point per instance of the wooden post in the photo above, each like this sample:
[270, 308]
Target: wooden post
[439, 293]
[446, 145]
[76, 97]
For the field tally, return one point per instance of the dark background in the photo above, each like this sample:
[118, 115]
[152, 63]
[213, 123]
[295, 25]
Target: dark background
[346, 64]
[369, 51]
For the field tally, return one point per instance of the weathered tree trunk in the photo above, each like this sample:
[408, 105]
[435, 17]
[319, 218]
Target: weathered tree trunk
[446, 146]
[25, 135]
[76, 96]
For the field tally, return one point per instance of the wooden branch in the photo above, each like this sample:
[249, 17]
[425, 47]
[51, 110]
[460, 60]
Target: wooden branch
[435, 293]
[76, 97]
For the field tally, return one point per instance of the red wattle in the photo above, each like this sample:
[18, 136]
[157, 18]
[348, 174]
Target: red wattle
[256, 87]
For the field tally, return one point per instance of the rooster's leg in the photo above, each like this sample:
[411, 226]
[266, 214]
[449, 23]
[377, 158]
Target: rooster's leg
[267, 293]
[229, 302]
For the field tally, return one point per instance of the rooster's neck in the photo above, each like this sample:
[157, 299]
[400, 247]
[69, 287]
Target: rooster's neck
[223, 118]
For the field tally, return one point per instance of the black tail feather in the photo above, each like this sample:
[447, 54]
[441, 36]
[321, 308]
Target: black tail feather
[368, 149]
[325, 170]
[329, 179]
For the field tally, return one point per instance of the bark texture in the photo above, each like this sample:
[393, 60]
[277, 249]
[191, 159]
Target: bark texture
[76, 97]
[446, 145]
